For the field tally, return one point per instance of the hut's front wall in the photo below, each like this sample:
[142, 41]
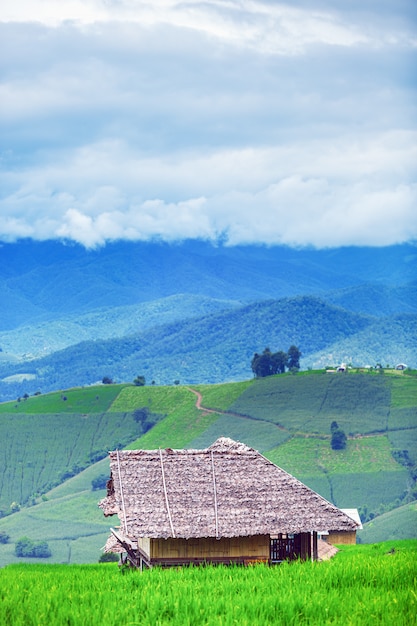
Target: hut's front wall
[236, 548]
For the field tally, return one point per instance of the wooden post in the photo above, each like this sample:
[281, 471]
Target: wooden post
[315, 552]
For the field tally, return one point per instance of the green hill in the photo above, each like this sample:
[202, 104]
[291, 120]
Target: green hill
[218, 347]
[401, 523]
[287, 417]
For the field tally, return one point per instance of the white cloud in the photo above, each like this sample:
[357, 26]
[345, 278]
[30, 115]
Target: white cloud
[266, 121]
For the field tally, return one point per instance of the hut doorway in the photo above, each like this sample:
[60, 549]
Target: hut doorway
[291, 547]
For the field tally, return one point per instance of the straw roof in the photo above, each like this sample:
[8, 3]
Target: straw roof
[226, 490]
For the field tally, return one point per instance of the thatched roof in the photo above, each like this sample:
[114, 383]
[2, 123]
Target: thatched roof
[226, 490]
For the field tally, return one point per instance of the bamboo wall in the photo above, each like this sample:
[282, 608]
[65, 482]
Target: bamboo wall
[344, 538]
[256, 548]
[144, 543]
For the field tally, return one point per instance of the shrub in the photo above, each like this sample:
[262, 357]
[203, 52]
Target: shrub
[108, 557]
[100, 482]
[25, 547]
[338, 441]
[4, 537]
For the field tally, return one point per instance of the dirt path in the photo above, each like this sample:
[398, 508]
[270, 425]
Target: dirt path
[199, 406]
[198, 402]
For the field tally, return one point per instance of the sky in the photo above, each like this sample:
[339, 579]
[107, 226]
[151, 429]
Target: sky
[241, 121]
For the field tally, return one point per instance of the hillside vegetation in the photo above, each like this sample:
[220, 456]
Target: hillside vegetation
[51, 438]
[219, 347]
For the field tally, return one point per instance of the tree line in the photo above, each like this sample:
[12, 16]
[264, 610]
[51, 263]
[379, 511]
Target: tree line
[269, 363]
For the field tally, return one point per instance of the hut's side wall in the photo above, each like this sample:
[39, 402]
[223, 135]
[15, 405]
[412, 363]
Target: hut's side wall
[256, 548]
[344, 538]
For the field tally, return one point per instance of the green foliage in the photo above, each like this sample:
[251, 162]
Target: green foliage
[338, 440]
[369, 584]
[25, 547]
[139, 381]
[99, 482]
[270, 363]
[108, 557]
[209, 349]
[294, 354]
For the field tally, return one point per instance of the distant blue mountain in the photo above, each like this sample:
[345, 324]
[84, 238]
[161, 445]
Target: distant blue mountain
[196, 312]
[40, 281]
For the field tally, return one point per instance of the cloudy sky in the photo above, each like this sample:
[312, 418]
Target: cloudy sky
[246, 120]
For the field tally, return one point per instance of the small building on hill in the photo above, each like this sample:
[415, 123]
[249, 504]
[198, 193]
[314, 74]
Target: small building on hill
[224, 504]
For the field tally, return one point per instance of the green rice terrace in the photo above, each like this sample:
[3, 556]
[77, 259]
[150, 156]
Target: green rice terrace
[53, 457]
[362, 585]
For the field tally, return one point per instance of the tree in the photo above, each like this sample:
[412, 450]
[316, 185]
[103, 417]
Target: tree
[108, 557]
[279, 362]
[100, 482]
[269, 363]
[141, 414]
[294, 355]
[338, 440]
[25, 547]
[139, 381]
[107, 380]
[262, 364]
[4, 537]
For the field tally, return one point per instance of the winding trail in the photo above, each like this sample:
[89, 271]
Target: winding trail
[200, 407]
[199, 400]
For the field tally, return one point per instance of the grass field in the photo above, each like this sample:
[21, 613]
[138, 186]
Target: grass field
[359, 403]
[361, 586]
[95, 399]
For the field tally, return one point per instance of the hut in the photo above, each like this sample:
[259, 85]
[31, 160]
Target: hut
[224, 504]
[345, 537]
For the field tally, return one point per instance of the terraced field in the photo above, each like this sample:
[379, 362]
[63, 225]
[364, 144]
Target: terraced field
[53, 445]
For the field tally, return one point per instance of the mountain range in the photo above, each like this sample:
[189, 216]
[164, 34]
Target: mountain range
[196, 312]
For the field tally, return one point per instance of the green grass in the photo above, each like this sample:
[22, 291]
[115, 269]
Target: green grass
[38, 450]
[260, 435]
[405, 440]
[359, 403]
[362, 586]
[95, 399]
[403, 391]
[304, 455]
[222, 396]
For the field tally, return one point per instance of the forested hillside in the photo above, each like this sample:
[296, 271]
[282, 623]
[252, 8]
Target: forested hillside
[43, 281]
[219, 347]
[50, 438]
[195, 312]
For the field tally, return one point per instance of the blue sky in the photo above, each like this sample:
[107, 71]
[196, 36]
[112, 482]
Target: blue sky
[251, 121]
